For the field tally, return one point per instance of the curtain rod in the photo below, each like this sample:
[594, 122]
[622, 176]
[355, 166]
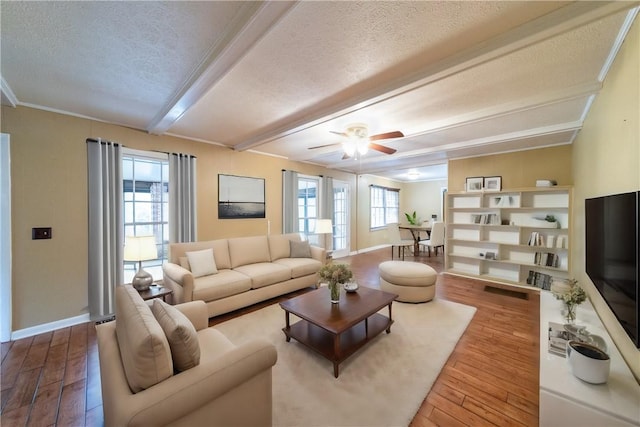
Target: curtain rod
[101, 141]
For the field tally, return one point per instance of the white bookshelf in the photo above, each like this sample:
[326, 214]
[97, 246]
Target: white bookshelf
[503, 224]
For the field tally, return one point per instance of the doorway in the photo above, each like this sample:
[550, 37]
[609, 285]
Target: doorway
[341, 233]
[5, 239]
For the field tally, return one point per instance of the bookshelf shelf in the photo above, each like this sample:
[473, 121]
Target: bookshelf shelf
[506, 237]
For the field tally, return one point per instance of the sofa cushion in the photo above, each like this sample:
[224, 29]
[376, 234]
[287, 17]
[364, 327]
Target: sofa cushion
[300, 267]
[265, 273]
[202, 262]
[279, 246]
[248, 250]
[300, 249]
[221, 285]
[220, 251]
[144, 349]
[181, 334]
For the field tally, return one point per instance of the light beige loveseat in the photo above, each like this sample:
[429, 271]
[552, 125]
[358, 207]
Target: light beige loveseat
[138, 357]
[247, 270]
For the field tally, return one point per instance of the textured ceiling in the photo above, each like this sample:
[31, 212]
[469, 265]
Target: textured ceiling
[457, 78]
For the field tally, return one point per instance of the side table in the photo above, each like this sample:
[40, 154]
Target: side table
[155, 291]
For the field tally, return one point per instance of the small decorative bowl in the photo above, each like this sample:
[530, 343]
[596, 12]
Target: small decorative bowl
[351, 286]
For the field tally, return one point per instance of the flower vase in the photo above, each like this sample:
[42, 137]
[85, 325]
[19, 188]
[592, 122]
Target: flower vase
[334, 290]
[570, 313]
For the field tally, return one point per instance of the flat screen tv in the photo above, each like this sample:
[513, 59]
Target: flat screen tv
[613, 255]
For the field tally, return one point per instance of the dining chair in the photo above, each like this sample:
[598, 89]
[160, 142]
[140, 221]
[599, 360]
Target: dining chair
[436, 238]
[397, 241]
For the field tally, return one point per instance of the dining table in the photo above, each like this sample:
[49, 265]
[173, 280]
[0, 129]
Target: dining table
[415, 233]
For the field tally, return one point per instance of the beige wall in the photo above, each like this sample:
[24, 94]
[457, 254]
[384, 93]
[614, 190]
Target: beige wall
[49, 176]
[423, 197]
[519, 169]
[606, 158]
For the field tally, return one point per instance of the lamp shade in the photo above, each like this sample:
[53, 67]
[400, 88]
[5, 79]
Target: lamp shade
[324, 226]
[140, 248]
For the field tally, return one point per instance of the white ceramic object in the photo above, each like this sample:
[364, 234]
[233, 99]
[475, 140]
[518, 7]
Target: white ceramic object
[588, 362]
[351, 286]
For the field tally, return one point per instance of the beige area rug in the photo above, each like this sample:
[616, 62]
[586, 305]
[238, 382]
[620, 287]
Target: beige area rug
[383, 384]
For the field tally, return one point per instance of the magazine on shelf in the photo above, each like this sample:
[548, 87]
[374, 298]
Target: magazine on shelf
[558, 338]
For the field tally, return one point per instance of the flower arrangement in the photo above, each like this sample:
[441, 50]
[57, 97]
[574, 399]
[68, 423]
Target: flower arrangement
[334, 275]
[571, 296]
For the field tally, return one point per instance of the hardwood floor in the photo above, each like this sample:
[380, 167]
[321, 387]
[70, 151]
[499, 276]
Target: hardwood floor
[491, 378]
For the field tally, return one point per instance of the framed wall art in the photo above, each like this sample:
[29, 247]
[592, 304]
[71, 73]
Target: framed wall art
[474, 183]
[240, 197]
[492, 183]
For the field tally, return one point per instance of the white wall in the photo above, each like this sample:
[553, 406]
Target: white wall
[606, 160]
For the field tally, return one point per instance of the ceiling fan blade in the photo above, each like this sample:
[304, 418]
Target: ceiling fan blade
[388, 135]
[323, 146]
[339, 133]
[382, 148]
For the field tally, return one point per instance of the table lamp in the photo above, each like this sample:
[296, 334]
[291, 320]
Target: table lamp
[324, 226]
[140, 248]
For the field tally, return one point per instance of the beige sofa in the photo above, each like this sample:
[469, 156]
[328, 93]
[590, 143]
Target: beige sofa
[247, 270]
[142, 348]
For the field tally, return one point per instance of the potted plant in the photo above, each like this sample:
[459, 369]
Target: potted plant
[413, 218]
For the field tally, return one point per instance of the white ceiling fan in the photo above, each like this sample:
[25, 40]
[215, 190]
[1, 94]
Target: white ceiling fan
[358, 140]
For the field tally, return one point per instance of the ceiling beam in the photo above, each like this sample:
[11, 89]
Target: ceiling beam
[8, 97]
[250, 24]
[496, 139]
[557, 22]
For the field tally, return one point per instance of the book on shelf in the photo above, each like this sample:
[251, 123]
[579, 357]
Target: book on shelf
[485, 219]
[548, 259]
[536, 239]
[539, 280]
[558, 338]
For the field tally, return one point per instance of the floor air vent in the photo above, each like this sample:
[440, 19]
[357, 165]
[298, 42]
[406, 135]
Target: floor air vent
[506, 292]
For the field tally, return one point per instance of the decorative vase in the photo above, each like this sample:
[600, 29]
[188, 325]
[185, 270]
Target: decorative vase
[334, 290]
[570, 313]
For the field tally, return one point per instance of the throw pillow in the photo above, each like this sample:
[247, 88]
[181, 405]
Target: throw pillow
[182, 336]
[299, 249]
[202, 262]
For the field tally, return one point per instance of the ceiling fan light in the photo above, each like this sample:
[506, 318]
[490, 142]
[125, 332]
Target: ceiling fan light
[363, 146]
[349, 147]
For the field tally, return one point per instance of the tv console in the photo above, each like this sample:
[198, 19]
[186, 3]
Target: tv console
[568, 401]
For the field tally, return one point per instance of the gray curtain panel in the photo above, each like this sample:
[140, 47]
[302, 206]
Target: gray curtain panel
[326, 207]
[106, 227]
[289, 201]
[182, 198]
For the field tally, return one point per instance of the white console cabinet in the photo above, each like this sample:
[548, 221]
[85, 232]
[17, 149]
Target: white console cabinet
[568, 401]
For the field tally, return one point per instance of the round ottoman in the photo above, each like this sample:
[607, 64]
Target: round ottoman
[412, 281]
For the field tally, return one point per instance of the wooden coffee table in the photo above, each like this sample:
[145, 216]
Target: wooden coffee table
[336, 331]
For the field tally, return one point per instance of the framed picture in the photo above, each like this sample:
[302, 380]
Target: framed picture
[492, 183]
[474, 183]
[240, 197]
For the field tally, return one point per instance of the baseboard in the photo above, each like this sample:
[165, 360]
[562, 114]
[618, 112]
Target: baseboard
[48, 327]
[372, 248]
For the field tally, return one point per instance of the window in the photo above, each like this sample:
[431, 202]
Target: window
[307, 206]
[385, 205]
[146, 205]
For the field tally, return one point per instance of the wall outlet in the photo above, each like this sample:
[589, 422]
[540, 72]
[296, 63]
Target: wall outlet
[38, 233]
